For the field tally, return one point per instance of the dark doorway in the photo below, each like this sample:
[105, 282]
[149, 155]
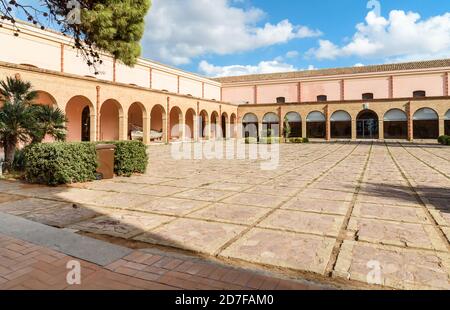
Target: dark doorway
[86, 124]
[367, 125]
[426, 124]
[224, 126]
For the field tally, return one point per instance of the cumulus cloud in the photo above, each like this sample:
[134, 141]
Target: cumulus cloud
[403, 36]
[177, 32]
[270, 66]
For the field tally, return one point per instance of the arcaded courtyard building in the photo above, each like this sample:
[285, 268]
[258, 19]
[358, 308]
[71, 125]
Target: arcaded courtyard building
[159, 103]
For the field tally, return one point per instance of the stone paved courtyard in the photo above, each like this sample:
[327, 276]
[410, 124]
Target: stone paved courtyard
[339, 210]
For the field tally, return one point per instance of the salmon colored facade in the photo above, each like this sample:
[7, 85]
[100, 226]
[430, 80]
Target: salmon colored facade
[155, 102]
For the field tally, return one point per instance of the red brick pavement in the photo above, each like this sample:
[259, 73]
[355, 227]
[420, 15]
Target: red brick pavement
[27, 266]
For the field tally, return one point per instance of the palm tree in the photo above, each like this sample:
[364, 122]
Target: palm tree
[22, 122]
[15, 122]
[49, 121]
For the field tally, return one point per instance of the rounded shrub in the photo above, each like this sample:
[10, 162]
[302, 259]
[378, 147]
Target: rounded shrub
[59, 163]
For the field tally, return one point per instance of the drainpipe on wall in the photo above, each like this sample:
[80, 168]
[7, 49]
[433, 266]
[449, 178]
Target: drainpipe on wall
[98, 113]
[62, 57]
[168, 121]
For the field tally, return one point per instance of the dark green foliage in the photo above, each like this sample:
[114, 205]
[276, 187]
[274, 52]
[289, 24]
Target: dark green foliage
[444, 140]
[60, 163]
[115, 26]
[298, 140]
[130, 157]
[48, 121]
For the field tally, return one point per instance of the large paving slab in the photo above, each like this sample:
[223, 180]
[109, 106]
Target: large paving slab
[283, 249]
[193, 235]
[394, 267]
[302, 222]
[122, 224]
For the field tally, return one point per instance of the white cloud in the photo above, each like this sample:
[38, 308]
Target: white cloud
[292, 54]
[270, 66]
[403, 36]
[177, 32]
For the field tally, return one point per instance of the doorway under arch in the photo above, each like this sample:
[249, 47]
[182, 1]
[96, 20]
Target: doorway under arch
[110, 113]
[203, 125]
[176, 119]
[233, 126]
[295, 123]
[395, 124]
[157, 123]
[136, 114]
[367, 126]
[341, 125]
[79, 112]
[271, 125]
[315, 125]
[426, 124]
[215, 131]
[225, 126]
[447, 123]
[250, 126]
[189, 124]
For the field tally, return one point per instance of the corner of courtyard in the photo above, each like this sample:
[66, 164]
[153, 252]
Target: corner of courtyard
[330, 215]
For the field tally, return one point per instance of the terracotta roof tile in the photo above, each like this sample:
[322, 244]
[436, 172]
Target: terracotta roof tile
[428, 64]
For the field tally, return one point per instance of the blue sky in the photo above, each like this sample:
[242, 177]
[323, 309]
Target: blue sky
[229, 37]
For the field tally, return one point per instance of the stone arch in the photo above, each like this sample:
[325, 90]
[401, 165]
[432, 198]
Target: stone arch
[189, 122]
[225, 125]
[395, 124]
[250, 126]
[157, 123]
[425, 124]
[315, 125]
[367, 126]
[136, 121]
[214, 124]
[80, 114]
[111, 112]
[176, 122]
[341, 125]
[45, 98]
[203, 122]
[233, 125]
[271, 125]
[294, 120]
[447, 123]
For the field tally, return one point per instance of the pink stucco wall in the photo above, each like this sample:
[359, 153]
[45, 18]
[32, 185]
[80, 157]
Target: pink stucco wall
[109, 121]
[137, 75]
[164, 81]
[310, 90]
[404, 86]
[239, 95]
[188, 86]
[354, 88]
[269, 93]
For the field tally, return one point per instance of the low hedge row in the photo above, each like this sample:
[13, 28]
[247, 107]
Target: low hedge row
[59, 163]
[297, 140]
[64, 163]
[273, 140]
[130, 157]
[444, 140]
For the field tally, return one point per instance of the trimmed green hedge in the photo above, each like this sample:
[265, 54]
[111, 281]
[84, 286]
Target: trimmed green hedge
[130, 157]
[297, 140]
[444, 140]
[59, 163]
[64, 163]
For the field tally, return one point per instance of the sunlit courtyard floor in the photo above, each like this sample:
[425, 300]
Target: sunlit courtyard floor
[366, 212]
